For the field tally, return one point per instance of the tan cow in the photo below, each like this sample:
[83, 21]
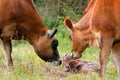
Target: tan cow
[19, 19]
[99, 26]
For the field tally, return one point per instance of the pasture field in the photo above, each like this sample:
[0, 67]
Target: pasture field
[28, 66]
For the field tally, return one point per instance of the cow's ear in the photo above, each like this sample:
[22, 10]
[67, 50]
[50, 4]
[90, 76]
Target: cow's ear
[68, 23]
[52, 33]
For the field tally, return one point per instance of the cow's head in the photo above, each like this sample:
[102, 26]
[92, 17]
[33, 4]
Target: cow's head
[46, 48]
[79, 42]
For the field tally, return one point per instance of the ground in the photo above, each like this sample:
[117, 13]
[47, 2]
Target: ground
[28, 66]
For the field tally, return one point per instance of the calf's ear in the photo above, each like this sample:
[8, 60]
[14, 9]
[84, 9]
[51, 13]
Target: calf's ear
[68, 23]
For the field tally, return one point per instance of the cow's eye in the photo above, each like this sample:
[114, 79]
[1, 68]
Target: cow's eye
[67, 67]
[54, 43]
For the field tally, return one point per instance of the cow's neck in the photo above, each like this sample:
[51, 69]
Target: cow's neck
[91, 38]
[28, 22]
[32, 29]
[84, 26]
[94, 40]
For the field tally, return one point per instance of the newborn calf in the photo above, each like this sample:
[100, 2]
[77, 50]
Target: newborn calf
[72, 65]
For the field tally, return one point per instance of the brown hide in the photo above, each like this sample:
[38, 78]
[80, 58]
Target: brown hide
[90, 5]
[99, 26]
[105, 21]
[19, 19]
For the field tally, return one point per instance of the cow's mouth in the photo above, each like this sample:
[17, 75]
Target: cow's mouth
[55, 62]
[76, 55]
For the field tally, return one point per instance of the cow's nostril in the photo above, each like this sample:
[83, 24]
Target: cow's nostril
[56, 63]
[60, 62]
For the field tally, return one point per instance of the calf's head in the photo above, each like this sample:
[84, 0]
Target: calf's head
[70, 65]
[46, 48]
[78, 38]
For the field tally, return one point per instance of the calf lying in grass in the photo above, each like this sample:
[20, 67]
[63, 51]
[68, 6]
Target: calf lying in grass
[72, 65]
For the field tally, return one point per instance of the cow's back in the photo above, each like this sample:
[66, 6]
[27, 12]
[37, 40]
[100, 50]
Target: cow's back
[106, 18]
[19, 15]
[15, 11]
[5, 11]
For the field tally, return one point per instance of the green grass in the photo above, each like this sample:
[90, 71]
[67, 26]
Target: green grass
[28, 66]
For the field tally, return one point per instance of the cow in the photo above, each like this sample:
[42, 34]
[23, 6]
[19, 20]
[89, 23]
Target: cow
[99, 26]
[75, 66]
[20, 20]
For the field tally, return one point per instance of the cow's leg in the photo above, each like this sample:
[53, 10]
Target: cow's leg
[116, 57]
[105, 46]
[8, 49]
[6, 36]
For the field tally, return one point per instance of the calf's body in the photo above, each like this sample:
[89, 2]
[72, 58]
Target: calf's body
[71, 65]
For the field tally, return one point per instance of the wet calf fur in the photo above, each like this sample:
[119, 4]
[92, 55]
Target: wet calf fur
[75, 65]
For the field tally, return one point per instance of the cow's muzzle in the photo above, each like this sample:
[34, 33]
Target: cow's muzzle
[76, 55]
[55, 62]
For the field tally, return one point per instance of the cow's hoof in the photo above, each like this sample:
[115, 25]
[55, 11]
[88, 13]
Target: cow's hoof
[9, 68]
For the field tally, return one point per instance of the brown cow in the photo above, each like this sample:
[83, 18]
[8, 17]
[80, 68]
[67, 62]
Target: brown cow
[19, 19]
[99, 26]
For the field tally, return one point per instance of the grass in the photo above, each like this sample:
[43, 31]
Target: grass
[28, 66]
